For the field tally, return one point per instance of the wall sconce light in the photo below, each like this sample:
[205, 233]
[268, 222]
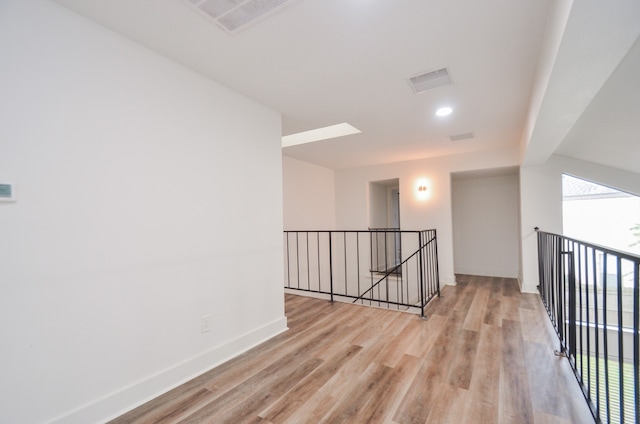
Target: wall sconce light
[422, 187]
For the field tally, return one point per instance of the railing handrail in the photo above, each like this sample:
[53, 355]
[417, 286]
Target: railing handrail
[623, 254]
[583, 287]
[337, 262]
[369, 230]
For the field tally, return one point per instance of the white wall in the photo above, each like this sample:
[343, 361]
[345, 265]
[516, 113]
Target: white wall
[415, 214]
[144, 190]
[541, 202]
[309, 196]
[378, 206]
[485, 225]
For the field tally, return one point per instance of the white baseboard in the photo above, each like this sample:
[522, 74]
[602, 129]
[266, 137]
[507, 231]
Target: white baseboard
[127, 398]
[449, 280]
[501, 273]
[528, 288]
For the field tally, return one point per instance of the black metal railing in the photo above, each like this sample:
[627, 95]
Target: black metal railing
[591, 295]
[365, 266]
[386, 249]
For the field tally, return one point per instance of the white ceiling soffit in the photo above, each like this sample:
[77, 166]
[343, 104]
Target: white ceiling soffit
[593, 29]
[233, 15]
[428, 80]
[486, 173]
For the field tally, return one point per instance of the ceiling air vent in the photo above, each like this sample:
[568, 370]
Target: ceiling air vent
[427, 81]
[233, 15]
[461, 136]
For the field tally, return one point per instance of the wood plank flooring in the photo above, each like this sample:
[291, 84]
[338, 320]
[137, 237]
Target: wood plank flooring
[483, 355]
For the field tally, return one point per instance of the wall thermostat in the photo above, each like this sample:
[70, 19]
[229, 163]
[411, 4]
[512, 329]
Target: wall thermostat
[7, 192]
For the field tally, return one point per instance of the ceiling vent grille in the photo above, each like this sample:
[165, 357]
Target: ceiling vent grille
[427, 81]
[233, 15]
[458, 137]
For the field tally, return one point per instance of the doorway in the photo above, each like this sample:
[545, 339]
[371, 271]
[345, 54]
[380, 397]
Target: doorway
[384, 222]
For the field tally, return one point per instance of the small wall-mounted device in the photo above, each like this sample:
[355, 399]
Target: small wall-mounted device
[7, 192]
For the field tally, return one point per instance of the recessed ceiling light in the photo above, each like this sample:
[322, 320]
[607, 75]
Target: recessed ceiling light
[444, 111]
[325, 133]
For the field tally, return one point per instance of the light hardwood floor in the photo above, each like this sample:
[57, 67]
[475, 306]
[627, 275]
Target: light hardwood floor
[483, 355]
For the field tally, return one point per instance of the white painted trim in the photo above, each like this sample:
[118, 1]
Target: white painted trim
[127, 398]
[528, 288]
[448, 281]
[485, 272]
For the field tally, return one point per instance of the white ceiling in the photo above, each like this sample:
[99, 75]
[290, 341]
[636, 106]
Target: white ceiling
[608, 132]
[591, 98]
[323, 62]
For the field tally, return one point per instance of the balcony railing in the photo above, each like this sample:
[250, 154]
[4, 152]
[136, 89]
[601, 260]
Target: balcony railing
[386, 268]
[591, 295]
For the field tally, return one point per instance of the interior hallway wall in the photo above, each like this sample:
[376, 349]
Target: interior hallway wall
[434, 212]
[148, 197]
[486, 213]
[309, 196]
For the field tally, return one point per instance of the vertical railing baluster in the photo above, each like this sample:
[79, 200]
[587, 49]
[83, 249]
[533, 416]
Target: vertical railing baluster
[421, 270]
[308, 267]
[597, 328]
[636, 338]
[319, 264]
[386, 280]
[554, 277]
[588, 315]
[288, 264]
[553, 282]
[580, 320]
[437, 270]
[344, 238]
[605, 340]
[572, 306]
[374, 265]
[358, 261]
[330, 266]
[386, 251]
[541, 263]
[298, 259]
[620, 334]
[560, 303]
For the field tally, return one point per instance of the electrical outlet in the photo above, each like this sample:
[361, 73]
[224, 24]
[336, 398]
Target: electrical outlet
[205, 324]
